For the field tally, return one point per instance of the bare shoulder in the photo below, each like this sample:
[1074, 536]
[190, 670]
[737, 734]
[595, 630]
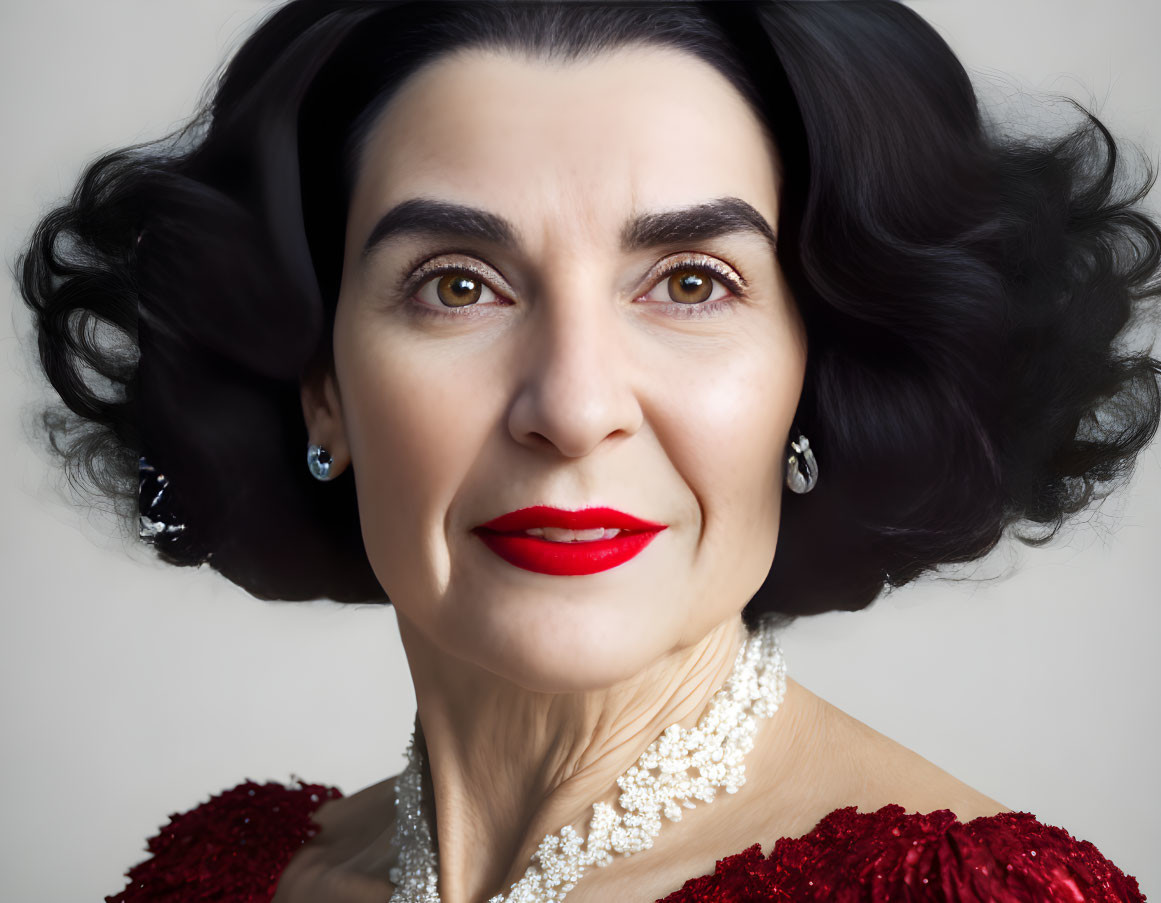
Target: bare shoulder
[344, 862]
[870, 770]
[344, 817]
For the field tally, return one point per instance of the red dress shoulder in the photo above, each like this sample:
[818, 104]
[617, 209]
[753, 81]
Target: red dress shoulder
[889, 855]
[235, 847]
[232, 848]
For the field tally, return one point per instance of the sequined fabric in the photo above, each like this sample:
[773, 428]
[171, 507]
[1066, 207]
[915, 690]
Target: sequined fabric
[234, 848]
[888, 855]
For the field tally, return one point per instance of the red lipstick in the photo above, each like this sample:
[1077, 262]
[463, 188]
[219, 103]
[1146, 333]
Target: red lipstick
[505, 536]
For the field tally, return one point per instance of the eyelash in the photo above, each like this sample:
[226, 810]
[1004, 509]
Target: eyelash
[698, 263]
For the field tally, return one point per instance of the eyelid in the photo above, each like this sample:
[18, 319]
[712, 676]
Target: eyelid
[675, 262]
[434, 265]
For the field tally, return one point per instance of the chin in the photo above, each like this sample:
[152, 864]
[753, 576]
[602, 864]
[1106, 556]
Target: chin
[552, 634]
[563, 645]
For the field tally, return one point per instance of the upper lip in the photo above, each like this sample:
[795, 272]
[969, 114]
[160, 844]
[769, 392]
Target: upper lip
[586, 518]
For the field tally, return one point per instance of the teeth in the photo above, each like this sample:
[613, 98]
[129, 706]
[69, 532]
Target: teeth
[560, 534]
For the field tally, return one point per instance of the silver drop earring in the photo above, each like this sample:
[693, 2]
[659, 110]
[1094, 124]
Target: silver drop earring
[795, 479]
[319, 460]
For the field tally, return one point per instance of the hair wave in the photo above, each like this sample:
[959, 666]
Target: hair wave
[966, 294]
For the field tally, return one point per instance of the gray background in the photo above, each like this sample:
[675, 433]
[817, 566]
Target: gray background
[132, 690]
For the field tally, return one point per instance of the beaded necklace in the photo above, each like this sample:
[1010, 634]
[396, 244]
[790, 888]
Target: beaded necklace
[659, 783]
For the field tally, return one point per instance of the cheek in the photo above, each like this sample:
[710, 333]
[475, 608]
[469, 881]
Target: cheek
[413, 431]
[735, 415]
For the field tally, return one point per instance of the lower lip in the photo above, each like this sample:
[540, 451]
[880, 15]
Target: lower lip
[568, 559]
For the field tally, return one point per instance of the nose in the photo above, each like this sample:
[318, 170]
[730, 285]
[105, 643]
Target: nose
[576, 385]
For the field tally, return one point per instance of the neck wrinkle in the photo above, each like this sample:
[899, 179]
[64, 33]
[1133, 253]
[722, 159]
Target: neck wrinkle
[507, 766]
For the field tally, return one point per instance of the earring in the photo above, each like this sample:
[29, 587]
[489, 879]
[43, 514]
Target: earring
[319, 460]
[155, 521]
[794, 477]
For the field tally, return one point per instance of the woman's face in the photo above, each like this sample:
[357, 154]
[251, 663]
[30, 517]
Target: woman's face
[564, 353]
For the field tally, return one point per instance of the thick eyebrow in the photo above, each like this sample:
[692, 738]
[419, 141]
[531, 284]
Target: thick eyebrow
[698, 222]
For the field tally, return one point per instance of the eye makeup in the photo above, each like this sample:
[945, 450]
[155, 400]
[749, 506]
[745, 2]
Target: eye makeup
[705, 265]
[428, 267]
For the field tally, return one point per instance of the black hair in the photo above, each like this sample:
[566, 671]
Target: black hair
[965, 293]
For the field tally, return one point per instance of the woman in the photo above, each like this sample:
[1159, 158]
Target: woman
[376, 245]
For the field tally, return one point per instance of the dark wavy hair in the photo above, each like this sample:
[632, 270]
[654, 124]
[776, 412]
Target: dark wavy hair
[965, 293]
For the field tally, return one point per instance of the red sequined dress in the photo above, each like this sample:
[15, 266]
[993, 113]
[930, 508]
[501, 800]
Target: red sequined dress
[234, 848]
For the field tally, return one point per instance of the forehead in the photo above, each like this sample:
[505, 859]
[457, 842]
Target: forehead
[576, 144]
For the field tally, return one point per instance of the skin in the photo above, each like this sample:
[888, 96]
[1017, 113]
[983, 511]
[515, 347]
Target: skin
[575, 383]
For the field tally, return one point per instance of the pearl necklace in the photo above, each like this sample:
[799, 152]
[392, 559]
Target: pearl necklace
[658, 783]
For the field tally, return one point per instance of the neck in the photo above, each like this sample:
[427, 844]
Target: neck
[509, 765]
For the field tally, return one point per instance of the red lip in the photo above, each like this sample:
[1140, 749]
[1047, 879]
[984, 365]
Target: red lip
[585, 519]
[505, 537]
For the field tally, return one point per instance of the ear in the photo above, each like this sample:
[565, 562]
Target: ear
[323, 412]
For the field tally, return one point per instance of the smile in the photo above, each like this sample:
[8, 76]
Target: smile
[567, 543]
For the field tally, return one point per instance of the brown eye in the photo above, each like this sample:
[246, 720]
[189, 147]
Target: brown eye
[458, 290]
[695, 286]
[440, 288]
[689, 287]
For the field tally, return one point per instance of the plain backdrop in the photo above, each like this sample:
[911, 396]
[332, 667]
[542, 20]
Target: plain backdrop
[132, 691]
